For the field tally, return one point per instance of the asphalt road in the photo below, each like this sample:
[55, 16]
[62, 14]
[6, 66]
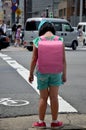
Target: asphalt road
[14, 69]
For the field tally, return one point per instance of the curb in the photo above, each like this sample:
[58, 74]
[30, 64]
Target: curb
[71, 121]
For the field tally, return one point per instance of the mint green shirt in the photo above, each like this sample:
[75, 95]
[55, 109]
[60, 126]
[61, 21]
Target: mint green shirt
[36, 40]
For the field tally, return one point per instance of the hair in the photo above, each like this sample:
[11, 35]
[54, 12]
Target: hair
[47, 26]
[19, 26]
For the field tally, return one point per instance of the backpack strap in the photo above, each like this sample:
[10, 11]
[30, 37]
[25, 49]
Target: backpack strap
[56, 38]
[44, 38]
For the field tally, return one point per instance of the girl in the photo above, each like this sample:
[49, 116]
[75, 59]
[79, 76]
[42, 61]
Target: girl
[48, 84]
[18, 39]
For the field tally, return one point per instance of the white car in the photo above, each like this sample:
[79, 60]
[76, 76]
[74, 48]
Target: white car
[83, 38]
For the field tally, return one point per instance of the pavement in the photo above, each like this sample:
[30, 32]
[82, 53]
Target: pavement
[72, 121]
[12, 48]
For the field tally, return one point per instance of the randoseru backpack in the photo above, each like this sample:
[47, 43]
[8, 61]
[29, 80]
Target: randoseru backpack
[50, 55]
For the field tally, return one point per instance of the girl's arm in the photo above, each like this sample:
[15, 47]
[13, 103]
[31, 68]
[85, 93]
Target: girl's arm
[64, 66]
[33, 63]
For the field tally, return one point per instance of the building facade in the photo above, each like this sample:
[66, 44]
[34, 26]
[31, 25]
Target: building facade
[39, 8]
[68, 9]
[1, 12]
[6, 7]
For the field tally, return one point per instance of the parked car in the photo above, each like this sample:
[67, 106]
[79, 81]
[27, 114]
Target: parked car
[4, 40]
[83, 38]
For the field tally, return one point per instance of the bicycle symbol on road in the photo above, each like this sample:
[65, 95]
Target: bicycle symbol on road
[10, 102]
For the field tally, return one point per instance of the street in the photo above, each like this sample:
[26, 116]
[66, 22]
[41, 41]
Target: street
[20, 98]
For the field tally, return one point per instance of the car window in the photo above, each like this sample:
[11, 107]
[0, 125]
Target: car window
[32, 25]
[66, 27]
[58, 26]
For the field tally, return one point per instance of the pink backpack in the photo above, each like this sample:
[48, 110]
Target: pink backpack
[50, 55]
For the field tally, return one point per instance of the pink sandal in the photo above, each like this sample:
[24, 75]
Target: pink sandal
[39, 125]
[57, 124]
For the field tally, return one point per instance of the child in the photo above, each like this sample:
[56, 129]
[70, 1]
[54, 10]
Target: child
[48, 84]
[18, 38]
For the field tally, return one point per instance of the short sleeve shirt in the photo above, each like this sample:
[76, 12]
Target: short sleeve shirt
[36, 40]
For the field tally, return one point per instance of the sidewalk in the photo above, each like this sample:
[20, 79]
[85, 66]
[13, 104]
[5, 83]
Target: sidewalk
[71, 122]
[12, 48]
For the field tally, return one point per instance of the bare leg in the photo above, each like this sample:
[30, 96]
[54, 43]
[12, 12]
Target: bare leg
[43, 103]
[54, 102]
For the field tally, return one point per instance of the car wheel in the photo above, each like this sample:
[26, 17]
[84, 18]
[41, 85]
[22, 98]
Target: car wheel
[74, 45]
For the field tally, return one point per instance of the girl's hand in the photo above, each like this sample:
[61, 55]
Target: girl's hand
[31, 78]
[64, 78]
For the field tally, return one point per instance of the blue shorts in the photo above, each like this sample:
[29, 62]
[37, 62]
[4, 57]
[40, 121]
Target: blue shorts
[47, 80]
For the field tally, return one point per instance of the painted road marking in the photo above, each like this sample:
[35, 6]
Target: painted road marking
[10, 102]
[63, 105]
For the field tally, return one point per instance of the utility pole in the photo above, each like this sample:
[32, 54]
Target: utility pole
[81, 8]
